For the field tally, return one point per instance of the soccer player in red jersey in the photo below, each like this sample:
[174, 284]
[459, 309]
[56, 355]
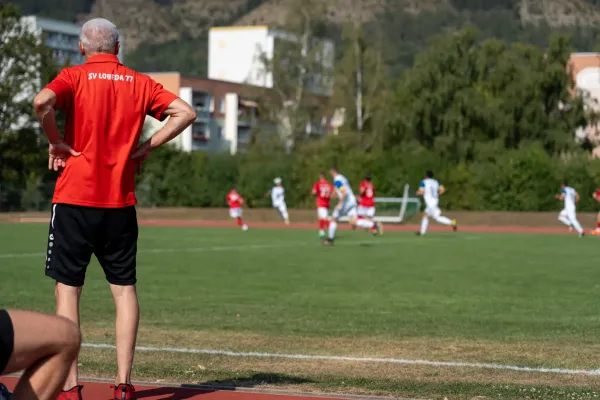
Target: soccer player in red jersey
[366, 207]
[93, 210]
[236, 202]
[596, 196]
[323, 190]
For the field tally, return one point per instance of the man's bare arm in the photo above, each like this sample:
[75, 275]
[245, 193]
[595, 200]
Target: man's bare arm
[44, 104]
[181, 116]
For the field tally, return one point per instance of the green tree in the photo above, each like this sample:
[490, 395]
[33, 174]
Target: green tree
[300, 68]
[361, 83]
[25, 64]
[461, 93]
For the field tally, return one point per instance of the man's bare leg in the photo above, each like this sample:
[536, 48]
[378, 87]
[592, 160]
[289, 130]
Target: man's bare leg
[127, 321]
[45, 346]
[67, 305]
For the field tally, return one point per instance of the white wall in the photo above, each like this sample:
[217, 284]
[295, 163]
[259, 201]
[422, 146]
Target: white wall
[588, 79]
[185, 139]
[230, 128]
[235, 54]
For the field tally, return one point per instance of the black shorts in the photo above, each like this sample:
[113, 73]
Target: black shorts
[7, 339]
[77, 232]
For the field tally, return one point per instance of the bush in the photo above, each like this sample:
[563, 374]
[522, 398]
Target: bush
[525, 179]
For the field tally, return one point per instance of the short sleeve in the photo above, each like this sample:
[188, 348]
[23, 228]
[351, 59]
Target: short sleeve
[160, 99]
[337, 184]
[62, 86]
[564, 191]
[422, 184]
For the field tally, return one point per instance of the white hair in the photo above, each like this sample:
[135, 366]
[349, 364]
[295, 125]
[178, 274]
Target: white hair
[99, 35]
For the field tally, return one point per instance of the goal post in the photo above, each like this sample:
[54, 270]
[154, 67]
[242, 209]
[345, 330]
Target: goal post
[395, 210]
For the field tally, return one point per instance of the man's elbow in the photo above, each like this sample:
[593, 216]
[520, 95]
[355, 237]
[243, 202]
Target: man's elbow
[189, 114]
[39, 103]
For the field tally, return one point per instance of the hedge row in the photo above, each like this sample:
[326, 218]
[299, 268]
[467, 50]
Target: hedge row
[526, 179]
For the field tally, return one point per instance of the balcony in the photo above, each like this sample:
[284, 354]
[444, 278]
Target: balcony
[203, 104]
[247, 113]
[202, 114]
[200, 135]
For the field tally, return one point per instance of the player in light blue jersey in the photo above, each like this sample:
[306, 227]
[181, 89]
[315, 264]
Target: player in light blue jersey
[346, 206]
[568, 215]
[431, 190]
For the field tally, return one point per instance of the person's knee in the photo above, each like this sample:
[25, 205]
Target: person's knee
[70, 341]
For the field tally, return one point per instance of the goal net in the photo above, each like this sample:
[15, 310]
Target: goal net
[395, 210]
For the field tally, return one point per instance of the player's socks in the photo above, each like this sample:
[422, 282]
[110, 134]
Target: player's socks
[365, 223]
[332, 229]
[598, 226]
[424, 225]
[444, 220]
[239, 221]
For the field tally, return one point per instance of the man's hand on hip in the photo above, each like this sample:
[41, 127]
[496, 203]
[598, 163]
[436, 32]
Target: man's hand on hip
[58, 154]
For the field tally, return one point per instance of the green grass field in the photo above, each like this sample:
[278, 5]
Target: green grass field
[525, 300]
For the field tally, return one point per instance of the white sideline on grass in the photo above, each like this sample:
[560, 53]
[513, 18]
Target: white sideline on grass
[456, 364]
[257, 246]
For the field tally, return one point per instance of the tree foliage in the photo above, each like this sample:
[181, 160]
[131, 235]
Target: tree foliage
[25, 64]
[461, 93]
[299, 70]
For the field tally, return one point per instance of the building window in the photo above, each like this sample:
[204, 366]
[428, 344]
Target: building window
[222, 106]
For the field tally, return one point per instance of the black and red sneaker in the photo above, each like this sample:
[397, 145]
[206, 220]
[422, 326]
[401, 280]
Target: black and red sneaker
[123, 391]
[72, 394]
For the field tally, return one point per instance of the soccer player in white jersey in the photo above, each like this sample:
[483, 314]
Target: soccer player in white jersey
[277, 194]
[346, 205]
[431, 190]
[568, 215]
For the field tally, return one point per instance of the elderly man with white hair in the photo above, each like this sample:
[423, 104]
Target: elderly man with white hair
[93, 209]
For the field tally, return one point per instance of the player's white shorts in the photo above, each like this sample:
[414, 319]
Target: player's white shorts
[235, 212]
[323, 212]
[569, 213]
[347, 210]
[433, 211]
[367, 212]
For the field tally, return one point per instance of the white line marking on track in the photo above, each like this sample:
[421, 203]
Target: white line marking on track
[455, 364]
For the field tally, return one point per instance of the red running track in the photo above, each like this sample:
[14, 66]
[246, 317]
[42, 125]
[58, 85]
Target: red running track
[102, 391]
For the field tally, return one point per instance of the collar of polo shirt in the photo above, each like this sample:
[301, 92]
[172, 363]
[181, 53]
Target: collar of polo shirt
[103, 58]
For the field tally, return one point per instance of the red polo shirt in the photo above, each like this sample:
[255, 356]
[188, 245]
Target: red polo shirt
[106, 104]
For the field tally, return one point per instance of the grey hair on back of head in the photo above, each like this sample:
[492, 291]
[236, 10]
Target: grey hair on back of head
[99, 35]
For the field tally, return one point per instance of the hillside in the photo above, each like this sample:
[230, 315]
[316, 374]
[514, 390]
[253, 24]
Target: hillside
[172, 34]
[554, 12]
[159, 21]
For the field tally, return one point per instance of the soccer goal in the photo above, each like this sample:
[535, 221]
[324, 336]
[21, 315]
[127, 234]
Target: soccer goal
[395, 210]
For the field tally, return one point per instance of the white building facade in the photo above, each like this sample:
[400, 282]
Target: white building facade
[238, 54]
